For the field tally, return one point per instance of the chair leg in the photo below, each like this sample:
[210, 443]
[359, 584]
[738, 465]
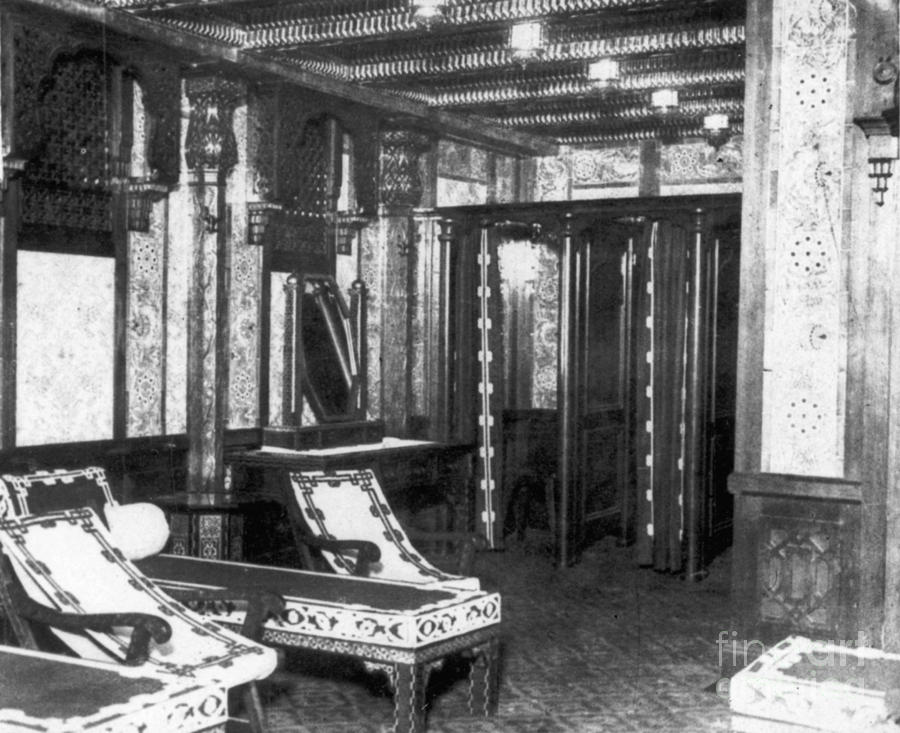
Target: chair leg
[253, 708]
[409, 682]
[484, 679]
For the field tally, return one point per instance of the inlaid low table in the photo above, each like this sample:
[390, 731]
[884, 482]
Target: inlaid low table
[801, 686]
[48, 693]
[403, 629]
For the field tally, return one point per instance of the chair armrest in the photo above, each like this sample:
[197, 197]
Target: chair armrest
[261, 604]
[469, 543]
[145, 626]
[366, 552]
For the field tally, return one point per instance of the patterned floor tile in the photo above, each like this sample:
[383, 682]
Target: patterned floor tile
[603, 646]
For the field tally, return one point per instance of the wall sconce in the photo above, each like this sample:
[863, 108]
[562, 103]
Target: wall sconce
[716, 130]
[261, 215]
[346, 227]
[664, 101]
[880, 170]
[426, 13]
[526, 41]
[603, 74]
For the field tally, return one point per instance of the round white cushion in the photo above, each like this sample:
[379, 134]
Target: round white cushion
[138, 530]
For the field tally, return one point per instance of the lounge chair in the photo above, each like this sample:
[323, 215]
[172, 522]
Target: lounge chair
[61, 569]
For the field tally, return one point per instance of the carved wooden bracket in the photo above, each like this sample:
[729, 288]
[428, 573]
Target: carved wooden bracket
[210, 136]
[400, 184]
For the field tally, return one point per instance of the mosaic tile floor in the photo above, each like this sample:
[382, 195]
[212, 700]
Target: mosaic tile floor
[603, 646]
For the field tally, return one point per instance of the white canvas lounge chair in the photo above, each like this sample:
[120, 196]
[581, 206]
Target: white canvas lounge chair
[403, 629]
[351, 504]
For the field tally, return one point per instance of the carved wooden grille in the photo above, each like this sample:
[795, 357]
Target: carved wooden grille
[66, 182]
[303, 183]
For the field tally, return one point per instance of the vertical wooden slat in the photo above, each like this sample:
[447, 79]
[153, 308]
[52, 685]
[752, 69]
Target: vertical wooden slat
[445, 339]
[628, 396]
[119, 155]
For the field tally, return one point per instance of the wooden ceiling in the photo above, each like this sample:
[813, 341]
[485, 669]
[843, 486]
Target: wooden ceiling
[464, 66]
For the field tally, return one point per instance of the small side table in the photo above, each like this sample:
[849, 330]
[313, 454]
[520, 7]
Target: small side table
[209, 526]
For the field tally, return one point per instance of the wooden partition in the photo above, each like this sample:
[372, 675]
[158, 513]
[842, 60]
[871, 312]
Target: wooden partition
[610, 446]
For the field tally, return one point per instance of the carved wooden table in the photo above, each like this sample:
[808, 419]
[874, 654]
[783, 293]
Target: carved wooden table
[401, 629]
[56, 694]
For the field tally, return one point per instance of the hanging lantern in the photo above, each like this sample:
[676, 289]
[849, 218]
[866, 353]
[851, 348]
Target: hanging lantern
[664, 101]
[426, 13]
[603, 73]
[526, 41]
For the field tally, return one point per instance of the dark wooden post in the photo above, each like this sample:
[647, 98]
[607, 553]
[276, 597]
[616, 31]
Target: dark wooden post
[566, 392]
[445, 345]
[696, 417]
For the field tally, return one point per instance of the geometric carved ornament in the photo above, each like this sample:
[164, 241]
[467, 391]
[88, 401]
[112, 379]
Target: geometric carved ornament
[799, 575]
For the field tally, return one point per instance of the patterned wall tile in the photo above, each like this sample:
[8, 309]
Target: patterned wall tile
[606, 166]
[64, 360]
[276, 347]
[699, 162]
[145, 327]
[244, 310]
[373, 266]
[457, 160]
[805, 340]
[145, 337]
[452, 192]
[553, 179]
[546, 316]
[506, 184]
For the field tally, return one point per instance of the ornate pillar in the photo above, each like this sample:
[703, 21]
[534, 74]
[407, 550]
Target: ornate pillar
[812, 432]
[389, 257]
[211, 152]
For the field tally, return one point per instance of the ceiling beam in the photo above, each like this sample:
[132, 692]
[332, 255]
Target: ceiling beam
[426, 63]
[462, 127]
[576, 85]
[381, 24]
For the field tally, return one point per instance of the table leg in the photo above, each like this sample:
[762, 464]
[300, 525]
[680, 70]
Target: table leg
[484, 679]
[410, 681]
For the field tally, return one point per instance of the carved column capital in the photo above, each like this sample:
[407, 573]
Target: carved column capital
[400, 183]
[210, 135]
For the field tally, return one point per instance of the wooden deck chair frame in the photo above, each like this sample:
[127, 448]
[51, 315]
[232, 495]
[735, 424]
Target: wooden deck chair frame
[71, 616]
[336, 505]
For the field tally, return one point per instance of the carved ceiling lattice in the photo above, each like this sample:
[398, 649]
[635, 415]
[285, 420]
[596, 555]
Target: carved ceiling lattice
[464, 64]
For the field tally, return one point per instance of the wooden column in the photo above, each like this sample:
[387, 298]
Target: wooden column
[211, 152]
[10, 207]
[389, 258]
[696, 417]
[568, 279]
